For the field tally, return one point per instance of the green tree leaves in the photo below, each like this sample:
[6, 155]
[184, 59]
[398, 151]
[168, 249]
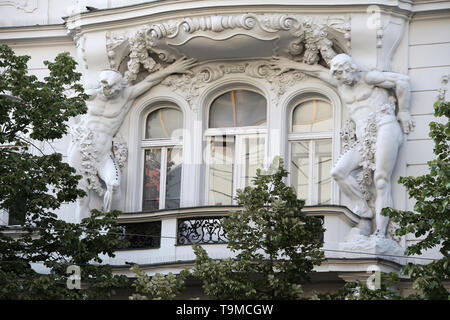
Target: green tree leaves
[159, 287]
[431, 217]
[33, 185]
[276, 244]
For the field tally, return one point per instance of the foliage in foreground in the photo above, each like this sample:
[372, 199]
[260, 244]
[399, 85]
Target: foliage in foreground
[430, 221]
[381, 287]
[431, 217]
[276, 245]
[158, 287]
[34, 184]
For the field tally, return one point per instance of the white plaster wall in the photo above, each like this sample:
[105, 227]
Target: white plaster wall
[40, 51]
[33, 12]
[429, 60]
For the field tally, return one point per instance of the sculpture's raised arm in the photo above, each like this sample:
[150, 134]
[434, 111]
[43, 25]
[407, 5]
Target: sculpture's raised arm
[92, 92]
[400, 83]
[317, 71]
[180, 66]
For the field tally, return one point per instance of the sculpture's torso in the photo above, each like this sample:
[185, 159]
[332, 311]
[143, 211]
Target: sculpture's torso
[104, 117]
[362, 101]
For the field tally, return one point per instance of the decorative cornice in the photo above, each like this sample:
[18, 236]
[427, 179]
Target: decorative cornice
[190, 85]
[313, 37]
[34, 33]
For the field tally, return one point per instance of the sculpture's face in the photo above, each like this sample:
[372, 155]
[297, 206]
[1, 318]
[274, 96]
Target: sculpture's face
[110, 83]
[344, 69]
[344, 73]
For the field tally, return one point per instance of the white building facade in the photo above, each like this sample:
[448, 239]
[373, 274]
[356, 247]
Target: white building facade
[185, 144]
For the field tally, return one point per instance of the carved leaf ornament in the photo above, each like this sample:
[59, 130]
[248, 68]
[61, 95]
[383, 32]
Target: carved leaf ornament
[313, 39]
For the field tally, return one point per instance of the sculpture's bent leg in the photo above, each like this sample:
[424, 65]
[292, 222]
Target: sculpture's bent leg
[389, 139]
[109, 172]
[348, 162]
[75, 160]
[82, 210]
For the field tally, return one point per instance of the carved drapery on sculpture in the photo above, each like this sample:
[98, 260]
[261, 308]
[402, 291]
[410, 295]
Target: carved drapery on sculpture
[306, 38]
[86, 138]
[366, 146]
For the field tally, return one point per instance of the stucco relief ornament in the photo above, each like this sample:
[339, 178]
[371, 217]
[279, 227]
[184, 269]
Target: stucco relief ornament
[88, 163]
[348, 135]
[162, 38]
[25, 5]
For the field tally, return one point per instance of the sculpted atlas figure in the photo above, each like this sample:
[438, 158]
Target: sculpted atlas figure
[378, 130]
[94, 152]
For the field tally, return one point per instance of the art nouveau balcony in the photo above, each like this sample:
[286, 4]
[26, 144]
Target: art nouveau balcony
[161, 240]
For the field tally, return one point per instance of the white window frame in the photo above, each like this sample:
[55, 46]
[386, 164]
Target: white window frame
[311, 137]
[239, 168]
[163, 144]
[240, 133]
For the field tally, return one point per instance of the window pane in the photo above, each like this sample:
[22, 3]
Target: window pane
[238, 108]
[141, 235]
[173, 179]
[221, 112]
[300, 168]
[312, 116]
[221, 170]
[251, 108]
[152, 176]
[163, 122]
[322, 164]
[253, 157]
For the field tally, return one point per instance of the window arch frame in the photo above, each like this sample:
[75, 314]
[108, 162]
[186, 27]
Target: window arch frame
[297, 95]
[310, 138]
[164, 144]
[133, 130]
[154, 108]
[296, 104]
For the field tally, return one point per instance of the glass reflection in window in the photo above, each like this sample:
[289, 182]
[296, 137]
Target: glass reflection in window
[238, 108]
[314, 115]
[221, 170]
[163, 124]
[173, 177]
[152, 177]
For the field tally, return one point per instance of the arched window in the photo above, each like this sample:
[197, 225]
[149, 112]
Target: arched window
[235, 143]
[310, 141]
[162, 146]
[238, 108]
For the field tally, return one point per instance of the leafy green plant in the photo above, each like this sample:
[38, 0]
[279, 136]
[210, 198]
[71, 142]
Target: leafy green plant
[34, 184]
[359, 290]
[158, 287]
[276, 244]
[431, 217]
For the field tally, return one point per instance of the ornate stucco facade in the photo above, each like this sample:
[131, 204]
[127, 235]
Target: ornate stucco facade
[332, 81]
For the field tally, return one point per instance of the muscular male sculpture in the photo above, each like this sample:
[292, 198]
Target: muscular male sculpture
[371, 107]
[91, 149]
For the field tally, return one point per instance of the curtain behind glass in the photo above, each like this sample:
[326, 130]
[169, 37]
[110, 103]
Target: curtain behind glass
[238, 108]
[221, 170]
[162, 123]
[152, 177]
[173, 178]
